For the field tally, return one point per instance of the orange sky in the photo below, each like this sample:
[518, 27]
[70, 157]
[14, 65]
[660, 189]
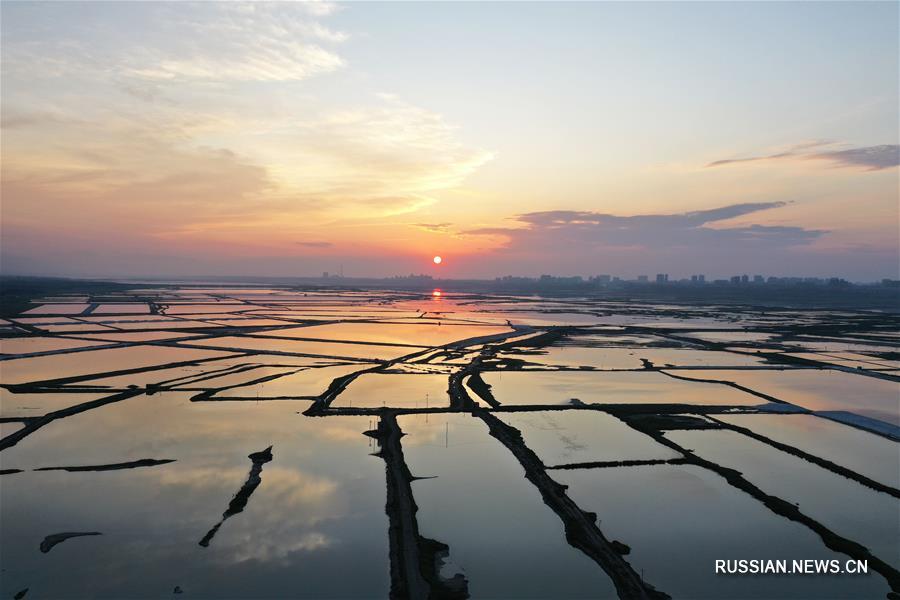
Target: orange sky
[291, 139]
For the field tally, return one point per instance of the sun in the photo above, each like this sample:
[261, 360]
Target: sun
[437, 260]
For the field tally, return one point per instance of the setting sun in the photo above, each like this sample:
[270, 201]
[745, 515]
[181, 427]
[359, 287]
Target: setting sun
[438, 260]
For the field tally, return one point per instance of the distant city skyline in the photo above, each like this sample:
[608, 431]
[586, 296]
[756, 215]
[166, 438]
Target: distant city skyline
[287, 139]
[607, 279]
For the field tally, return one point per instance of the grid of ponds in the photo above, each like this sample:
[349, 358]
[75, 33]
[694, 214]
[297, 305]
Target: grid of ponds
[247, 442]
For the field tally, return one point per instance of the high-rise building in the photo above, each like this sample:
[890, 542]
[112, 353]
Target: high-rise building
[662, 277]
[643, 278]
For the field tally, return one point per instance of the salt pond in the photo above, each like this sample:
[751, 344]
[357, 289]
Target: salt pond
[478, 504]
[152, 518]
[516, 387]
[846, 507]
[679, 519]
[820, 390]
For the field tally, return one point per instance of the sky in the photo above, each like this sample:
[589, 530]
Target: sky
[154, 139]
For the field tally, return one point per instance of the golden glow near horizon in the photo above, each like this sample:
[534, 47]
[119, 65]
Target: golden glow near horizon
[296, 138]
[437, 260]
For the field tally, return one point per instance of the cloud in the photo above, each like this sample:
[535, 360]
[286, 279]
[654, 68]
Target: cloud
[182, 132]
[793, 151]
[144, 187]
[717, 241]
[411, 148]
[433, 227]
[319, 8]
[143, 171]
[378, 160]
[267, 43]
[573, 231]
[148, 92]
[16, 119]
[190, 42]
[873, 158]
[731, 161]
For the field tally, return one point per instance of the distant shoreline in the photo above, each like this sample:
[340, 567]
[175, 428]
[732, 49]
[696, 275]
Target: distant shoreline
[17, 291]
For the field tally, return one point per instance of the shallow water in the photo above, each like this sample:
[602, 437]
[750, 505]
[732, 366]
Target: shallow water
[500, 533]
[848, 346]
[196, 309]
[139, 336]
[36, 405]
[820, 390]
[374, 390]
[22, 370]
[731, 336]
[860, 451]
[430, 334]
[314, 525]
[30, 345]
[848, 359]
[366, 351]
[511, 388]
[679, 519]
[308, 382]
[577, 436]
[164, 323]
[57, 309]
[846, 507]
[152, 518]
[131, 308]
[630, 358]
